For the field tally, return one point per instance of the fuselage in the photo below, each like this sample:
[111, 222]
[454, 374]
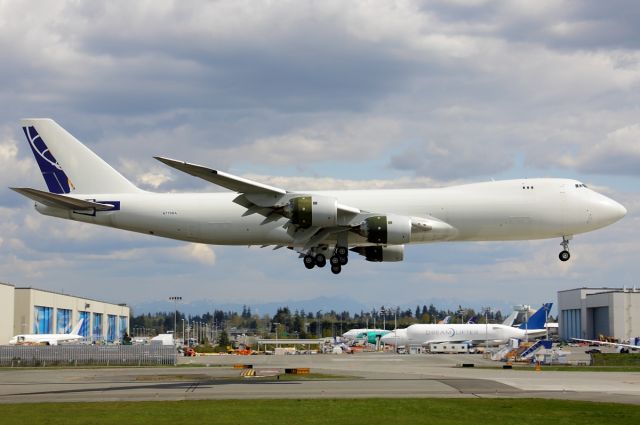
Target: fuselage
[423, 334]
[50, 339]
[490, 211]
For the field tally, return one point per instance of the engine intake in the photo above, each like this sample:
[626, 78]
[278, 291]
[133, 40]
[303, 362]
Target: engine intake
[386, 229]
[307, 211]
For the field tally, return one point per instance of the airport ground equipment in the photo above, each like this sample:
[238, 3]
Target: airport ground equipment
[532, 350]
[449, 348]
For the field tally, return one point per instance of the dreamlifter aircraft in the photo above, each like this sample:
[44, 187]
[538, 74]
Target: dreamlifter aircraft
[423, 334]
[374, 223]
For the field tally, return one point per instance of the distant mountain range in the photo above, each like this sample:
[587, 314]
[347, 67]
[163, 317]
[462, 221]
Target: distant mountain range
[313, 305]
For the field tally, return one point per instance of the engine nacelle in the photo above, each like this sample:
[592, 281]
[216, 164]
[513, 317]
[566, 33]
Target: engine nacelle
[389, 229]
[381, 253]
[307, 211]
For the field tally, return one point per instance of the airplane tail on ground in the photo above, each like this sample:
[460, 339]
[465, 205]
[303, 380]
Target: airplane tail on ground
[510, 318]
[67, 165]
[76, 328]
[538, 319]
[445, 321]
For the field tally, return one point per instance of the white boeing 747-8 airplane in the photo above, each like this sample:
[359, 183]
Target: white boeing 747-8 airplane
[376, 224]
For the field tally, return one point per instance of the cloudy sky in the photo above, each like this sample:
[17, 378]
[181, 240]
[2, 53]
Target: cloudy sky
[323, 94]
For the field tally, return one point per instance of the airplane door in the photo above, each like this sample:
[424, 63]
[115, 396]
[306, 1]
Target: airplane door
[562, 207]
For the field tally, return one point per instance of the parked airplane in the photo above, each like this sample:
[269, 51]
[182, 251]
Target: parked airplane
[399, 336]
[423, 334]
[48, 339]
[357, 332]
[376, 224]
[445, 321]
[622, 348]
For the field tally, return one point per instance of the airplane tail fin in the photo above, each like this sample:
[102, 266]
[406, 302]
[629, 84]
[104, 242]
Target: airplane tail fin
[510, 318]
[445, 321]
[538, 319]
[76, 328]
[69, 166]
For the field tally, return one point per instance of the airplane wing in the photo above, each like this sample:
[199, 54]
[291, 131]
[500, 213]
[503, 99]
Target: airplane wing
[60, 201]
[273, 202]
[229, 181]
[612, 344]
[236, 183]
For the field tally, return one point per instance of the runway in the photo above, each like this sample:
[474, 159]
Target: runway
[342, 376]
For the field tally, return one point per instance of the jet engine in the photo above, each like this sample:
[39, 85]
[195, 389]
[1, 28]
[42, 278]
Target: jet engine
[307, 211]
[386, 229]
[381, 253]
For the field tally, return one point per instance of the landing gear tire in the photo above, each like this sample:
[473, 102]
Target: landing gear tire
[344, 261]
[309, 262]
[321, 260]
[342, 251]
[564, 256]
[334, 260]
[336, 269]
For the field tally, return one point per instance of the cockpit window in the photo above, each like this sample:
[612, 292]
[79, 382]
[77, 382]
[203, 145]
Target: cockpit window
[581, 185]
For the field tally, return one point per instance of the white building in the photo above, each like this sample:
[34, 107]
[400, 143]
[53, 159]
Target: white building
[36, 311]
[6, 312]
[590, 312]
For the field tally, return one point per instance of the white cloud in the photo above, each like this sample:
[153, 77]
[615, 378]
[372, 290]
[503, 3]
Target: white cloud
[618, 153]
[398, 94]
[200, 253]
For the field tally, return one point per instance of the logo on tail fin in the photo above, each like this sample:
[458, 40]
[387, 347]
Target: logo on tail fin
[539, 318]
[56, 179]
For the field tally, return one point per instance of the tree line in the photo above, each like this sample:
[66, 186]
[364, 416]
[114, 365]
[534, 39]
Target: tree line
[303, 324]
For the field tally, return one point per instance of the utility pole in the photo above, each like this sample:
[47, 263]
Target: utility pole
[175, 314]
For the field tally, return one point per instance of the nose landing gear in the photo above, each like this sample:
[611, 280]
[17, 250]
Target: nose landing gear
[564, 254]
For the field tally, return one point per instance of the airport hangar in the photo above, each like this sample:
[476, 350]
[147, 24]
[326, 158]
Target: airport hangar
[588, 313]
[25, 310]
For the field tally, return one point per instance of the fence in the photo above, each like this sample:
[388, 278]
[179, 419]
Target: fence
[78, 355]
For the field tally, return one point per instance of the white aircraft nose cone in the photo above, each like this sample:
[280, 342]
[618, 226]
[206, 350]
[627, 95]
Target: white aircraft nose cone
[605, 210]
[613, 211]
[621, 211]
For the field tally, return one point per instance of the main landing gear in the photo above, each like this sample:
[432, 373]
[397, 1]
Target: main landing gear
[564, 254]
[310, 261]
[339, 258]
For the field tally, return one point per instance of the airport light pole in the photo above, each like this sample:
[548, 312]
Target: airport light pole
[524, 309]
[276, 324]
[395, 328]
[183, 331]
[486, 311]
[175, 313]
[395, 323]
[461, 312]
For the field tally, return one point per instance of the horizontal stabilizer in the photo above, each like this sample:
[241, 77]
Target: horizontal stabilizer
[60, 201]
[229, 181]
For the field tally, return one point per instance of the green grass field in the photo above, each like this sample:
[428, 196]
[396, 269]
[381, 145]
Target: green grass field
[375, 411]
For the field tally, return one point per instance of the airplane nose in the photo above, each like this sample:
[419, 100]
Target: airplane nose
[609, 211]
[615, 211]
[621, 211]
